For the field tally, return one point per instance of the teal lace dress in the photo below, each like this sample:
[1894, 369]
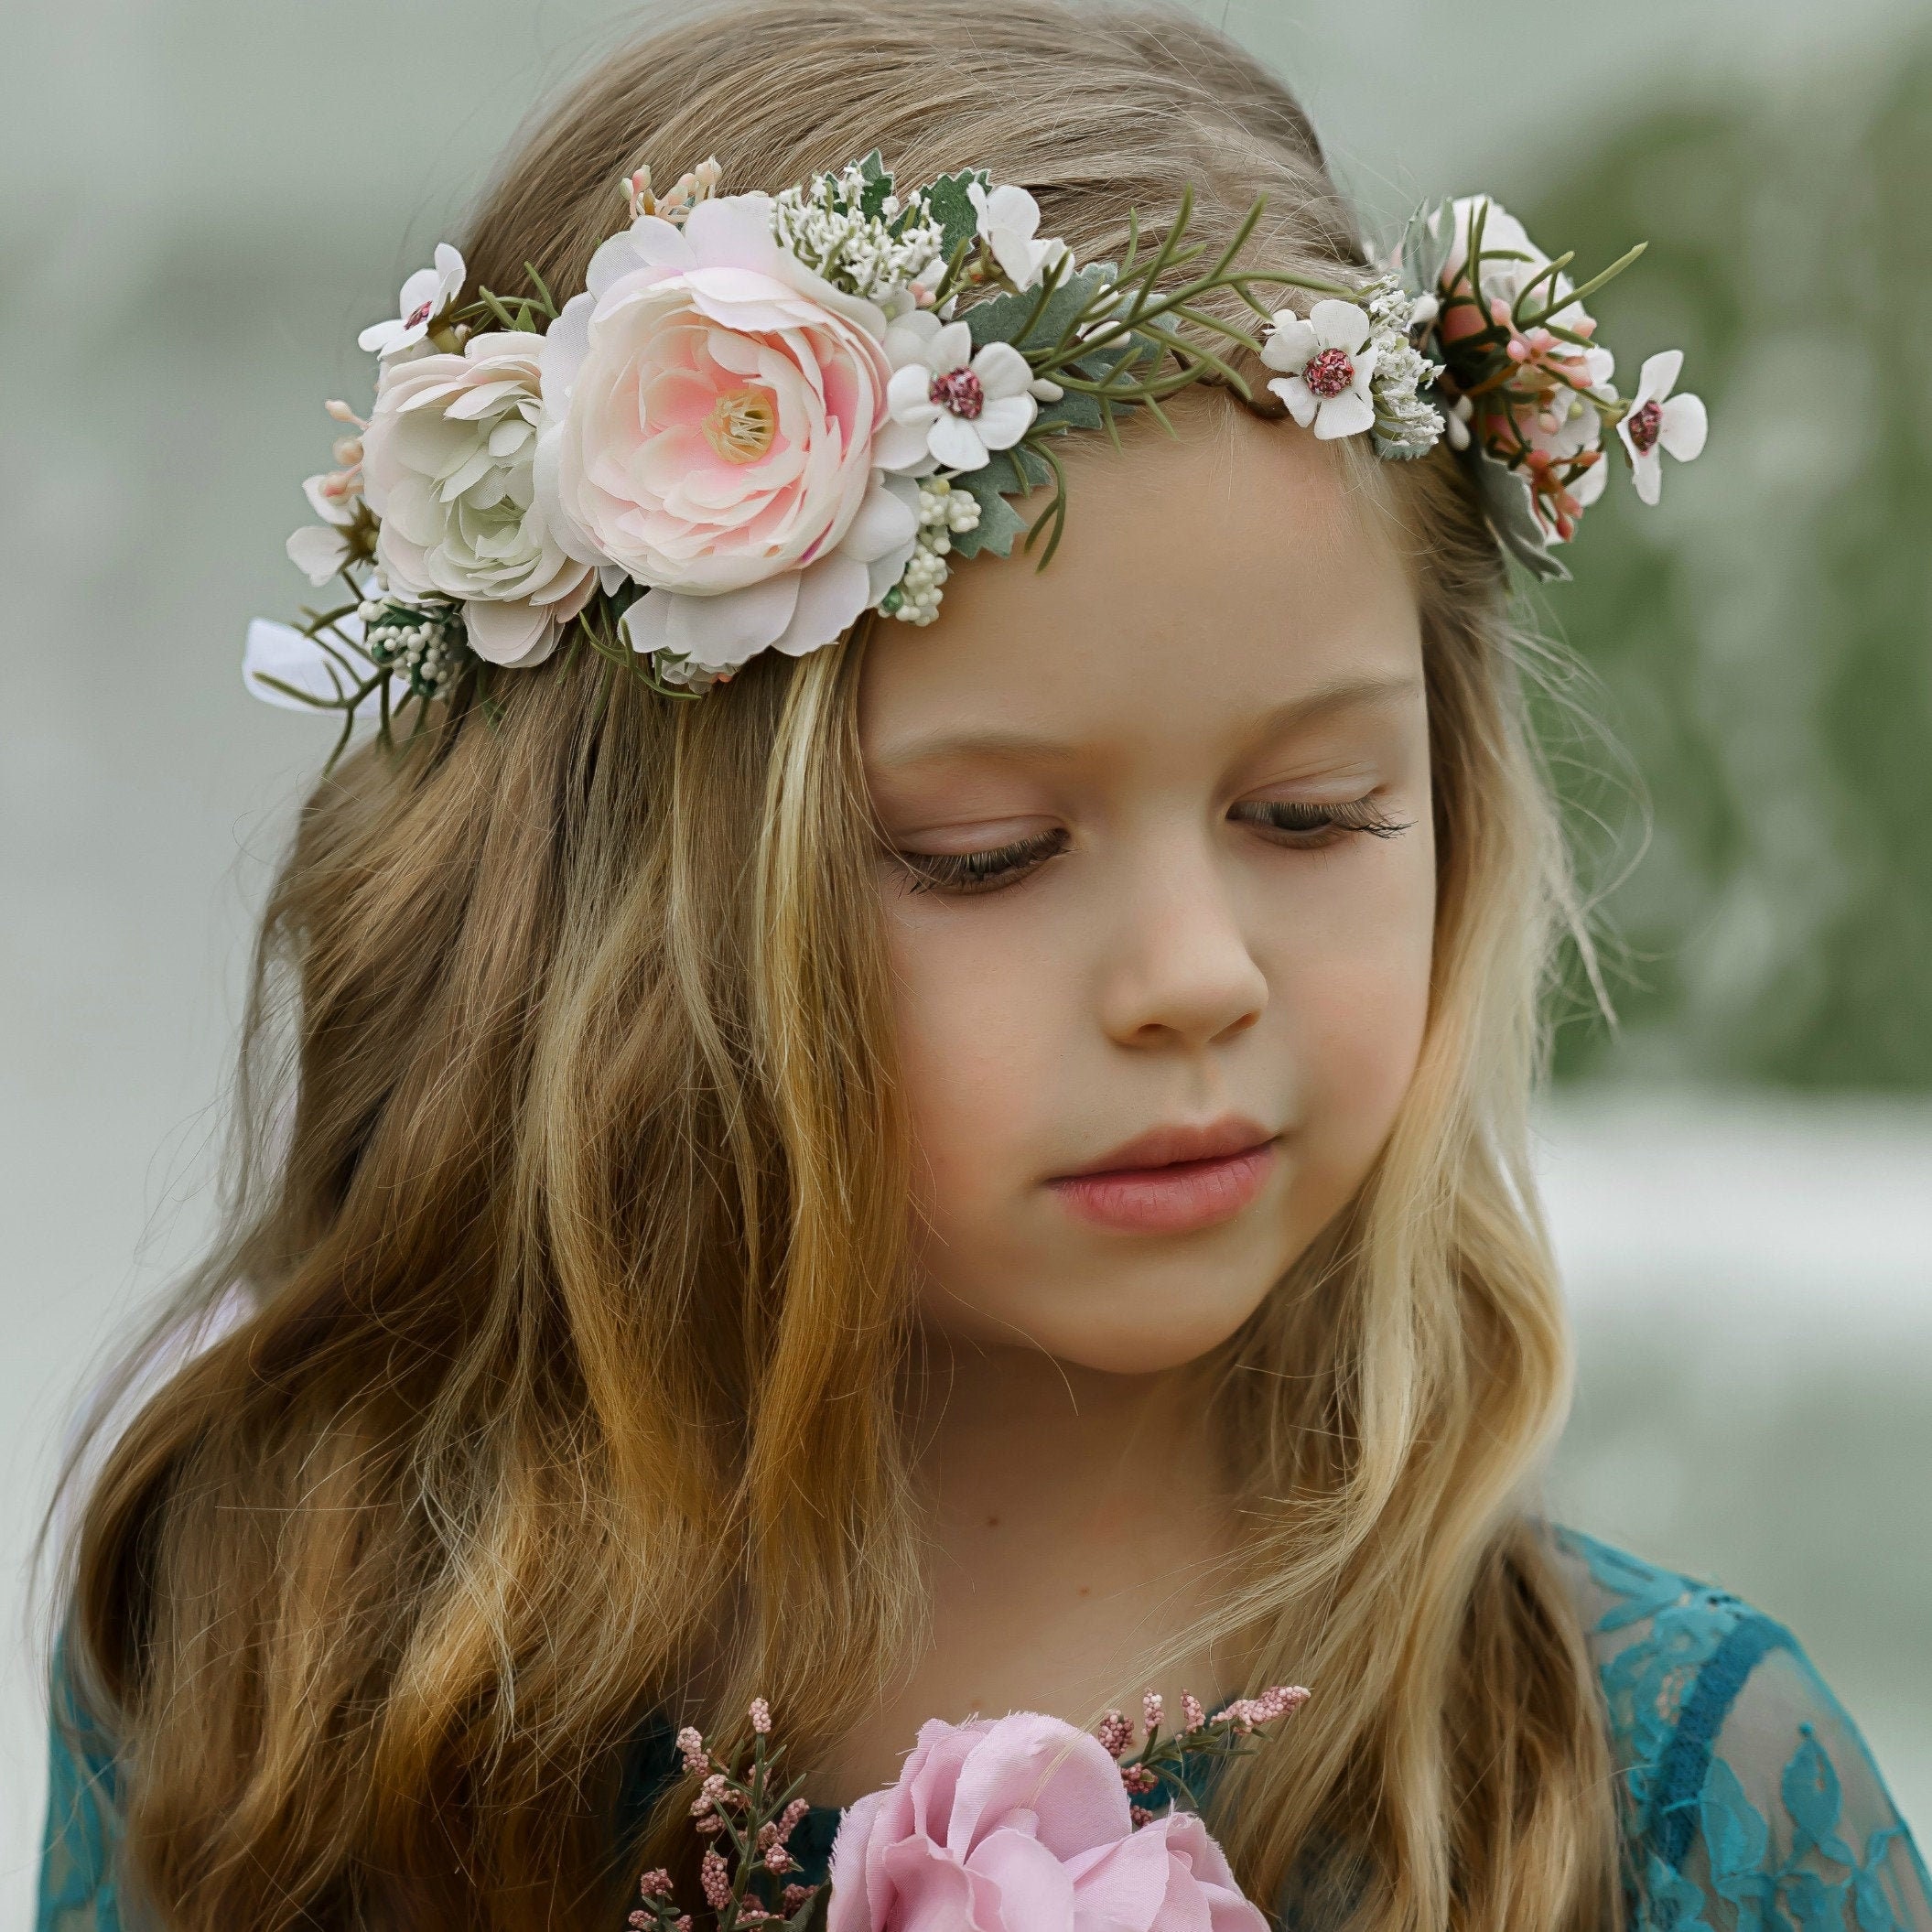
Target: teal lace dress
[1751, 1802]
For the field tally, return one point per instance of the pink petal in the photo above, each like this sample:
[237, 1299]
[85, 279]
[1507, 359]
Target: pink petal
[510, 633]
[887, 518]
[831, 595]
[719, 632]
[735, 229]
[1034, 1888]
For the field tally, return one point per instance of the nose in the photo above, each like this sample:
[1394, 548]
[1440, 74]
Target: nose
[1179, 969]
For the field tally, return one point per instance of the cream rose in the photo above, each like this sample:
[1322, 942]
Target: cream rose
[447, 464]
[711, 406]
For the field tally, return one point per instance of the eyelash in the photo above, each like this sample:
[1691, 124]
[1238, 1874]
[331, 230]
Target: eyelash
[1307, 828]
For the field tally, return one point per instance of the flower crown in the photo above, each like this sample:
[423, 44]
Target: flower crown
[767, 414]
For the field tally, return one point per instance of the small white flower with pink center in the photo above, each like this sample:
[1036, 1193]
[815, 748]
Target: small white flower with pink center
[426, 295]
[947, 405]
[1328, 368]
[1657, 420]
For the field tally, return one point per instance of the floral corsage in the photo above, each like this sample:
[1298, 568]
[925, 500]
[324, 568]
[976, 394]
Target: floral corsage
[1018, 1824]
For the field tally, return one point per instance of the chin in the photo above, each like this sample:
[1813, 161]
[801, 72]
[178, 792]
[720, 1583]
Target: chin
[1161, 1333]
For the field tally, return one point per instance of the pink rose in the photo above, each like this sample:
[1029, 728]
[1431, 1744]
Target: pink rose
[709, 411]
[1023, 1825]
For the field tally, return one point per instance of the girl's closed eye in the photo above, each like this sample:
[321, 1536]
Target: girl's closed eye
[1294, 822]
[983, 871]
[1305, 826]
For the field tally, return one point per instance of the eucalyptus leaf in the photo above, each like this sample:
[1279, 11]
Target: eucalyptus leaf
[952, 209]
[878, 185]
[1001, 319]
[1426, 245]
[1507, 501]
[1077, 411]
[999, 523]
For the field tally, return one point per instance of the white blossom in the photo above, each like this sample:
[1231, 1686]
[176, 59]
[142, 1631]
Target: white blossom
[424, 298]
[1008, 224]
[947, 403]
[1329, 366]
[1657, 420]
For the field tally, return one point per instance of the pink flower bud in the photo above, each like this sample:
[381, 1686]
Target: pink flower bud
[655, 1884]
[1140, 1815]
[777, 1859]
[793, 1897]
[1150, 1709]
[790, 1818]
[761, 1716]
[1115, 1733]
[1193, 1716]
[692, 1746]
[1138, 1779]
[714, 1876]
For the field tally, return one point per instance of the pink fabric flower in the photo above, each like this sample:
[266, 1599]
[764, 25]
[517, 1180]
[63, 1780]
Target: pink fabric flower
[1020, 1825]
[709, 411]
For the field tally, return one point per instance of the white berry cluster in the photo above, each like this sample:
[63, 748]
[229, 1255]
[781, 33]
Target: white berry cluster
[826, 228]
[945, 512]
[1406, 424]
[423, 643]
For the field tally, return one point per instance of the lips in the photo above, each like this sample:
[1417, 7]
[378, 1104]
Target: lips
[1172, 1180]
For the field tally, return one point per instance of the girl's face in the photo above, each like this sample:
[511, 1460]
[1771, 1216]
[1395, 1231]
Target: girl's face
[1159, 893]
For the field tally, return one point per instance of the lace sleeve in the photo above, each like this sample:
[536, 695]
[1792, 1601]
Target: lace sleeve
[1752, 1803]
[77, 1889]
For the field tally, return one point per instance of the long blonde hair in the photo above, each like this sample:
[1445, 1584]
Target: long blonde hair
[576, 1252]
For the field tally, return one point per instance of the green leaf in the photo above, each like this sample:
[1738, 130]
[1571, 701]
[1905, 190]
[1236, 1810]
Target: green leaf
[999, 523]
[1078, 411]
[952, 209]
[1506, 503]
[1001, 319]
[1426, 243]
[878, 185]
[1015, 471]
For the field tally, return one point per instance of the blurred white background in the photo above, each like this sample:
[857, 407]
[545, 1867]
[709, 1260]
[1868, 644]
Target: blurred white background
[205, 198]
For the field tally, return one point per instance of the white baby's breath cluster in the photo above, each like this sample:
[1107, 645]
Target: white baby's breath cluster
[945, 512]
[1407, 425]
[823, 224]
[422, 643]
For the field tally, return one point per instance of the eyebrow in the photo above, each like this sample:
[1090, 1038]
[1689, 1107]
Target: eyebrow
[1000, 743]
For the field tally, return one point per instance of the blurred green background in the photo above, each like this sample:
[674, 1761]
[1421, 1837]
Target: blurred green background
[205, 198]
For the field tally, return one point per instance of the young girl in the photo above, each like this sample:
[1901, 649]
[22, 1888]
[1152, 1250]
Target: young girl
[920, 1169]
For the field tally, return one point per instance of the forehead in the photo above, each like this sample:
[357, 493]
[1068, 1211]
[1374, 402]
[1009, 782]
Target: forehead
[1203, 583]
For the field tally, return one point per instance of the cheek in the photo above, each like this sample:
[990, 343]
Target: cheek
[1356, 1000]
[978, 1033]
